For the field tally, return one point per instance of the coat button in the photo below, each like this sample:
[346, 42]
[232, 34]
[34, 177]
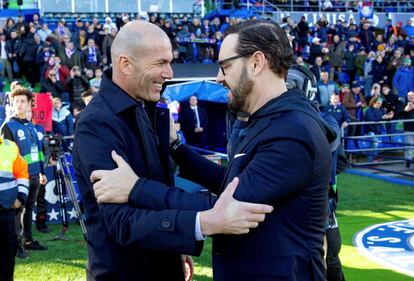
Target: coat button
[165, 223]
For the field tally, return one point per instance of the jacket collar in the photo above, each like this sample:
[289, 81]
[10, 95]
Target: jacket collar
[114, 95]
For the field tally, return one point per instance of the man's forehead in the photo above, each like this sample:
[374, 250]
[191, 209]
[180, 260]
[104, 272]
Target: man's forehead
[228, 47]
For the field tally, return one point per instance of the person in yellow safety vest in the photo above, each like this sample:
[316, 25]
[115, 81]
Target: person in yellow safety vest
[14, 187]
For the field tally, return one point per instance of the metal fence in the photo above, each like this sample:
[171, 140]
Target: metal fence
[372, 144]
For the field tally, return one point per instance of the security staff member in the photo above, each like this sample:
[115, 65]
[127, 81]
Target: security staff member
[14, 183]
[22, 131]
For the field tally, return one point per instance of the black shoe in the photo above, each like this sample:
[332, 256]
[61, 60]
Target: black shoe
[407, 164]
[34, 245]
[42, 228]
[21, 252]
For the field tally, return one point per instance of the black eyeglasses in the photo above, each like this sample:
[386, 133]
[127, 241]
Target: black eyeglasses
[221, 62]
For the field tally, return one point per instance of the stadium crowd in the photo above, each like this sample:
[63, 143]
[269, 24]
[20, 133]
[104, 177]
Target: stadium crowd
[356, 62]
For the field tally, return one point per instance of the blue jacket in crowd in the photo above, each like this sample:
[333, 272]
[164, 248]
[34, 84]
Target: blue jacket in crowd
[62, 122]
[339, 112]
[403, 80]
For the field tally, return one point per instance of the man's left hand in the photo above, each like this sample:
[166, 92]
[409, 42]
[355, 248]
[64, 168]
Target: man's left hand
[114, 186]
[188, 267]
[43, 179]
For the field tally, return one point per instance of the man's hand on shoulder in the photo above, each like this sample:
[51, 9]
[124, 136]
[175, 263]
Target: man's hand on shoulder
[114, 186]
[230, 216]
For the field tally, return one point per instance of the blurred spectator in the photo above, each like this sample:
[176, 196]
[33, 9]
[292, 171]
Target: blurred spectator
[366, 35]
[36, 22]
[194, 123]
[403, 80]
[91, 56]
[13, 46]
[390, 100]
[95, 83]
[93, 34]
[28, 53]
[350, 58]
[376, 113]
[55, 87]
[79, 39]
[44, 32]
[408, 113]
[168, 29]
[10, 25]
[395, 62]
[317, 68]
[338, 111]
[62, 119]
[6, 66]
[62, 30]
[77, 26]
[108, 25]
[378, 43]
[336, 55]
[62, 71]
[409, 28]
[326, 88]
[379, 70]
[176, 57]
[344, 90]
[375, 92]
[315, 50]
[303, 29]
[70, 56]
[360, 62]
[368, 72]
[76, 85]
[354, 101]
[391, 103]
[107, 43]
[320, 30]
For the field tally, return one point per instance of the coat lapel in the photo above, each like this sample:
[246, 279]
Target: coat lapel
[254, 130]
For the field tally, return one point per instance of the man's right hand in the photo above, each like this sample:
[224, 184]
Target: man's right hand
[230, 216]
[17, 204]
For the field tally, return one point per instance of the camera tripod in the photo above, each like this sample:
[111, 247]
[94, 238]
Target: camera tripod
[64, 182]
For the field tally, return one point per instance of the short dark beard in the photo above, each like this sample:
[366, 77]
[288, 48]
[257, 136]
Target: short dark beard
[241, 92]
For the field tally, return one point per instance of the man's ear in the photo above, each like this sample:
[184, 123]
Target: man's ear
[124, 65]
[259, 62]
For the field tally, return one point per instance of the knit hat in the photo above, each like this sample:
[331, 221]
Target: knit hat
[407, 61]
[355, 84]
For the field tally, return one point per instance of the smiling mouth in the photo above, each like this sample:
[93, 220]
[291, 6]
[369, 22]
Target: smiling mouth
[158, 85]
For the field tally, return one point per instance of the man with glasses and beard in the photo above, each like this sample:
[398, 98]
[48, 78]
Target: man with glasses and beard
[282, 158]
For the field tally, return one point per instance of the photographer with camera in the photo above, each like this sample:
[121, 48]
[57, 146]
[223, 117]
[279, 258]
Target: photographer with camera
[76, 85]
[409, 127]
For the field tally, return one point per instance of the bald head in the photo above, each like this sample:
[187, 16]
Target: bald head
[136, 38]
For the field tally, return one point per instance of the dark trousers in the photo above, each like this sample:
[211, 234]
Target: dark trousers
[41, 210]
[28, 210]
[8, 244]
[29, 70]
[333, 264]
[197, 139]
